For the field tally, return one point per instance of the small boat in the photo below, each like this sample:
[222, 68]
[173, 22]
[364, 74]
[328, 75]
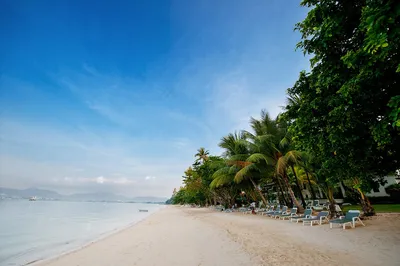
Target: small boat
[143, 210]
[32, 199]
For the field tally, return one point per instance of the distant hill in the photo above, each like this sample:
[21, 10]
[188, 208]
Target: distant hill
[29, 192]
[149, 199]
[97, 196]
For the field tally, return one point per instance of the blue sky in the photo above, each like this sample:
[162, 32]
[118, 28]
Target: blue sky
[118, 95]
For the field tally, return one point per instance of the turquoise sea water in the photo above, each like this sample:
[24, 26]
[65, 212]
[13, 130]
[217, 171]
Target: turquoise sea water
[36, 230]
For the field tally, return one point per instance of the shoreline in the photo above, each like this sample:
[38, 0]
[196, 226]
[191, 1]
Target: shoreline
[101, 237]
[182, 236]
[160, 239]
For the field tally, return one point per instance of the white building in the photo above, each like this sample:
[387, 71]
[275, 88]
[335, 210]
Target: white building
[381, 192]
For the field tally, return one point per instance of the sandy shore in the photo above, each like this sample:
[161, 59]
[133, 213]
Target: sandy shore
[184, 236]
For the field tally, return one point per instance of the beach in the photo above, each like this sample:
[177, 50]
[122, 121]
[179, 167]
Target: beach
[199, 236]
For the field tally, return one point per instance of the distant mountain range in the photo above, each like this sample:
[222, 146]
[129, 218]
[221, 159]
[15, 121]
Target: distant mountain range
[48, 194]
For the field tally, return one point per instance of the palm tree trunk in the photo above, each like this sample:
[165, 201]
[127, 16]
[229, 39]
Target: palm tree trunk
[311, 188]
[332, 202]
[300, 193]
[282, 197]
[342, 188]
[298, 205]
[320, 193]
[298, 187]
[259, 191]
[287, 195]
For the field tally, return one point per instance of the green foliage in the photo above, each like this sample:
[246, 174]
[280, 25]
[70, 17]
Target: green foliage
[383, 208]
[341, 122]
[345, 111]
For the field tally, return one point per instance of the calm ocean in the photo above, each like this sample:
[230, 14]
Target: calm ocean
[35, 230]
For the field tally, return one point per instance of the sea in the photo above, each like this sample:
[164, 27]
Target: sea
[31, 231]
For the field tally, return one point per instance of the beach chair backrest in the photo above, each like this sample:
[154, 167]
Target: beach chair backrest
[307, 212]
[284, 208]
[315, 202]
[323, 213]
[293, 211]
[351, 214]
[278, 208]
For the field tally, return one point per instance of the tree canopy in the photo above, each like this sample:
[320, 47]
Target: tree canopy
[341, 123]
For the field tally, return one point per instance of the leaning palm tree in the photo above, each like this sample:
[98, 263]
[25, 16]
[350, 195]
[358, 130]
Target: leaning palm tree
[237, 168]
[270, 145]
[290, 159]
[307, 169]
[278, 157]
[223, 184]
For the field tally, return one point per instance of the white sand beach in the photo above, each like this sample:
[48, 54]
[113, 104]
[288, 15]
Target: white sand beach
[185, 236]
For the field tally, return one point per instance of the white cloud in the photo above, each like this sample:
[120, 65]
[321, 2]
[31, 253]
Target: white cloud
[38, 159]
[100, 180]
[234, 100]
[89, 157]
[139, 129]
[152, 127]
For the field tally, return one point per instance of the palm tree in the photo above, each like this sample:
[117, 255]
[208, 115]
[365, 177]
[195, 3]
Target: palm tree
[271, 147]
[202, 155]
[290, 160]
[306, 166]
[223, 184]
[237, 166]
[306, 178]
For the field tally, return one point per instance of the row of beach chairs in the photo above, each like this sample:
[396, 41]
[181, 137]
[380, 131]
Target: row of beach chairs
[307, 218]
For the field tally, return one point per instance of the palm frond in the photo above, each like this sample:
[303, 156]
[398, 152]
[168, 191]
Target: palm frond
[259, 157]
[221, 171]
[284, 142]
[281, 166]
[238, 157]
[242, 173]
[239, 164]
[233, 169]
[248, 134]
[221, 180]
[267, 138]
[293, 157]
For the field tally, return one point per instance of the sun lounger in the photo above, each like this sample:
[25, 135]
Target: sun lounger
[315, 205]
[247, 211]
[297, 218]
[292, 213]
[262, 211]
[272, 210]
[283, 211]
[242, 209]
[351, 218]
[269, 210]
[319, 219]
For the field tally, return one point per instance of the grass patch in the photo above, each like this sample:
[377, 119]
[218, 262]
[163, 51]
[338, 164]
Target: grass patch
[378, 207]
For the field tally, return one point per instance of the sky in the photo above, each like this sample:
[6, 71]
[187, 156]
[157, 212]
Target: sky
[117, 96]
